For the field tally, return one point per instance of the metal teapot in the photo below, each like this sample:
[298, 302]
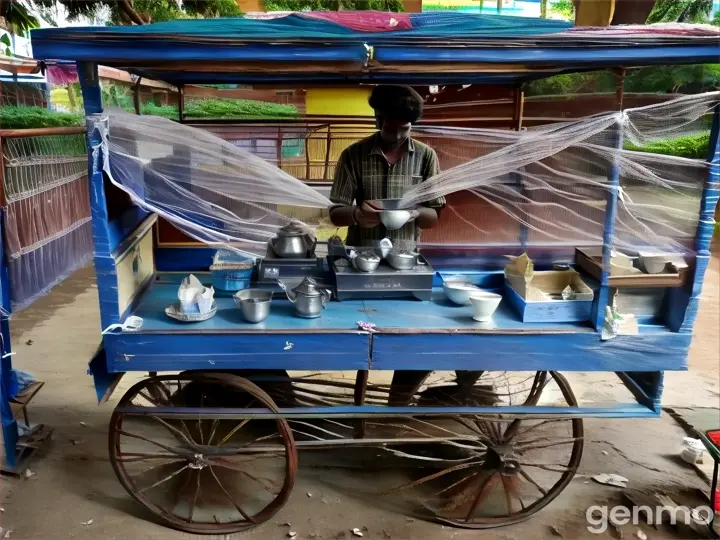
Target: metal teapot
[308, 298]
[293, 241]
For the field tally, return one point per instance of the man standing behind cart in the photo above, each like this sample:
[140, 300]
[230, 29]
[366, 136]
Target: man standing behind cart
[385, 166]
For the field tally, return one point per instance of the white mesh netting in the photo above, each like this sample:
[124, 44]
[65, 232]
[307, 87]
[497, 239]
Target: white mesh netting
[545, 185]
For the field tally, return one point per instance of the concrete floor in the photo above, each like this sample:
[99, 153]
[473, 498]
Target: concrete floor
[74, 483]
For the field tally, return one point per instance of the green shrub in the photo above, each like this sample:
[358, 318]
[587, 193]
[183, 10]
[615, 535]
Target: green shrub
[694, 147]
[238, 108]
[221, 109]
[12, 117]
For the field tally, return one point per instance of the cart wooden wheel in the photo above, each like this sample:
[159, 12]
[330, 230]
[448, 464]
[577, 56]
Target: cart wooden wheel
[506, 468]
[203, 475]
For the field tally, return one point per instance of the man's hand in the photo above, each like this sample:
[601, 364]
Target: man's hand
[426, 218]
[367, 215]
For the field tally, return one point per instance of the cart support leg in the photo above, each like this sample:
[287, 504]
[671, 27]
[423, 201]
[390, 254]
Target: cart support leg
[9, 425]
[360, 390]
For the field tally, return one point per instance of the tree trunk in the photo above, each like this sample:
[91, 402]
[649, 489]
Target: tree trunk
[632, 11]
[499, 5]
[543, 8]
[126, 7]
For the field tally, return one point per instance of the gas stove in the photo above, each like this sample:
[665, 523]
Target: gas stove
[384, 282]
[290, 271]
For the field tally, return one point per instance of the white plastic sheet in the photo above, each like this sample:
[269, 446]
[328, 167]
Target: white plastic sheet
[551, 181]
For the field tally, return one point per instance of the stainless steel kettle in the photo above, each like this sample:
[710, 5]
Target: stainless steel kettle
[293, 241]
[309, 299]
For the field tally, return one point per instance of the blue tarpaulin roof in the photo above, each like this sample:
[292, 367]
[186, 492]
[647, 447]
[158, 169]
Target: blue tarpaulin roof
[353, 47]
[438, 25]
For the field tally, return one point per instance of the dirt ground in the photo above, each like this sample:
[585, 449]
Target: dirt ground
[73, 482]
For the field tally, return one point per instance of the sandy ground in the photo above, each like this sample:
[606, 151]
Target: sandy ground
[74, 483]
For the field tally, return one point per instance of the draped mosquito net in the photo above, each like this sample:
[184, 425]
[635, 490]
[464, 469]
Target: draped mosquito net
[544, 185]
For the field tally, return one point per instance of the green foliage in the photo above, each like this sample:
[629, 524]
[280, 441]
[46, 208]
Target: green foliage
[332, 5]
[218, 109]
[115, 95]
[12, 117]
[693, 147]
[238, 108]
[687, 11]
[5, 45]
[563, 8]
[572, 83]
[689, 79]
[18, 19]
[148, 10]
[166, 111]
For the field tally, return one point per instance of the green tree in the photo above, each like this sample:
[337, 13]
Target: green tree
[16, 18]
[563, 8]
[687, 11]
[127, 12]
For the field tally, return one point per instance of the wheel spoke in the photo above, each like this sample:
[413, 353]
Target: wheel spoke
[548, 445]
[179, 451]
[546, 467]
[266, 483]
[459, 482]
[202, 402]
[531, 428]
[154, 467]
[463, 496]
[163, 480]
[527, 477]
[437, 475]
[213, 428]
[130, 457]
[230, 497]
[233, 431]
[176, 431]
[191, 511]
[507, 488]
[480, 496]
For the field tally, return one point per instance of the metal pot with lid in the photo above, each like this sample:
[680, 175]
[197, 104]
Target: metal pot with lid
[309, 299]
[293, 241]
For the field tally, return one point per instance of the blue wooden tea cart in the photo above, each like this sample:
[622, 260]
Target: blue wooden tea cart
[213, 448]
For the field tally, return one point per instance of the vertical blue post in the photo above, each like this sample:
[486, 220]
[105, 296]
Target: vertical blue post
[603, 294]
[9, 425]
[684, 303]
[518, 108]
[104, 262]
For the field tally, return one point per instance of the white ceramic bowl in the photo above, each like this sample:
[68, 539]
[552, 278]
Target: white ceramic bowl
[458, 291]
[653, 264]
[394, 219]
[484, 304]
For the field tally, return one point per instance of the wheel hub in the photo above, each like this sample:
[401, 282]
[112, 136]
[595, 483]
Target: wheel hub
[503, 459]
[197, 462]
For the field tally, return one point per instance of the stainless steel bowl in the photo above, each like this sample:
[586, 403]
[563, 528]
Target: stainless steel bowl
[402, 260]
[367, 261]
[254, 303]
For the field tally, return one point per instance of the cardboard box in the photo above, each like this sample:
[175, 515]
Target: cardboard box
[537, 296]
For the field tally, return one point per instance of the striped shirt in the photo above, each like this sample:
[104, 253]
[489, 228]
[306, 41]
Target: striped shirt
[364, 174]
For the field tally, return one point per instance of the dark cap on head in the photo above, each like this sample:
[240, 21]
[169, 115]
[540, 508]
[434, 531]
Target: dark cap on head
[395, 102]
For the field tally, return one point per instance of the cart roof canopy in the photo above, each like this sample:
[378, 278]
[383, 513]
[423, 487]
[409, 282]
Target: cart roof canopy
[373, 47]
